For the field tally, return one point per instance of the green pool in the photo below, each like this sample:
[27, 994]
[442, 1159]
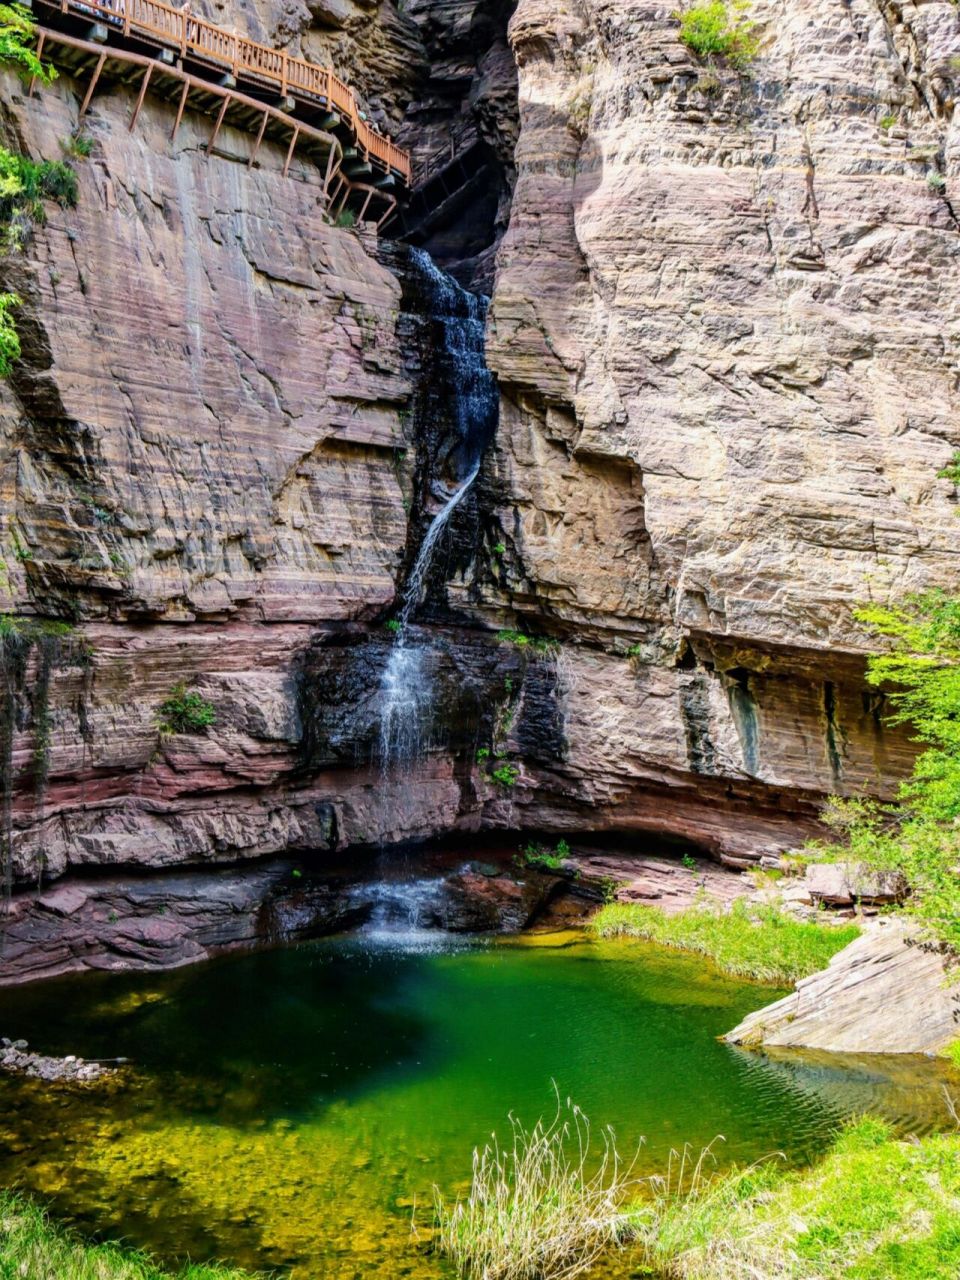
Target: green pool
[292, 1107]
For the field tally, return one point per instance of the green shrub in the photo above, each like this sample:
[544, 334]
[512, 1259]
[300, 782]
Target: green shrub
[185, 712]
[394, 626]
[18, 38]
[920, 836]
[756, 942]
[505, 775]
[346, 218]
[32, 1248]
[540, 858]
[937, 183]
[952, 470]
[718, 29]
[79, 145]
[9, 338]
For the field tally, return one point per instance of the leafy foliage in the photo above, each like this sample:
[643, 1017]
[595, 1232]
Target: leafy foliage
[9, 338]
[751, 942]
[952, 470]
[540, 858]
[505, 775]
[186, 712]
[18, 37]
[719, 29]
[919, 837]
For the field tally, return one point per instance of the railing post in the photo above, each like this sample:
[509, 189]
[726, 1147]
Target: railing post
[283, 78]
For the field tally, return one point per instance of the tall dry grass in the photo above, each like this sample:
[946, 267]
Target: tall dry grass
[545, 1206]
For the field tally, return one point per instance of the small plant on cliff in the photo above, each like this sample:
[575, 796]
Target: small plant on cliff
[951, 471]
[920, 836]
[505, 775]
[936, 183]
[719, 29]
[18, 38]
[542, 645]
[539, 857]
[79, 145]
[9, 338]
[185, 712]
[394, 626]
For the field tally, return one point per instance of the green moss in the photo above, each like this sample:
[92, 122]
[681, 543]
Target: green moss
[751, 942]
[32, 1247]
[872, 1209]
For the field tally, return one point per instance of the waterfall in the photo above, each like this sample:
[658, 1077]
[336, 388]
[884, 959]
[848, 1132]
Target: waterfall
[461, 379]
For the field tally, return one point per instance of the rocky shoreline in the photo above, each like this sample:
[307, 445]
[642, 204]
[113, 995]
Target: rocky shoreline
[15, 1057]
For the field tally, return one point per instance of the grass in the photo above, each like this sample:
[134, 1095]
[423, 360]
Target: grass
[873, 1209]
[545, 1206]
[749, 942]
[32, 1248]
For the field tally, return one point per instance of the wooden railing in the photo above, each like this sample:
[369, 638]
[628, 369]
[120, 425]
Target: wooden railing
[236, 54]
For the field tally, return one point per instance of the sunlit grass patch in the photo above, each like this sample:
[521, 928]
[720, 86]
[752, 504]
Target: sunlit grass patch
[756, 942]
[33, 1248]
[872, 1209]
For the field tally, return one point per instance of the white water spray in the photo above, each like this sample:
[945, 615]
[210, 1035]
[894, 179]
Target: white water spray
[405, 690]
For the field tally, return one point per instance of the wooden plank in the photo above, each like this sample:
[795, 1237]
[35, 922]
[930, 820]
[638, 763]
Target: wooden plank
[183, 103]
[93, 84]
[293, 143]
[256, 145]
[33, 79]
[143, 93]
[216, 127]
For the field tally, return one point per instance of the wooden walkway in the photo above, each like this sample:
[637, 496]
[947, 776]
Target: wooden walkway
[237, 81]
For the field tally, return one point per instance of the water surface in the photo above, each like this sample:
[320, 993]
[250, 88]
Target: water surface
[292, 1106]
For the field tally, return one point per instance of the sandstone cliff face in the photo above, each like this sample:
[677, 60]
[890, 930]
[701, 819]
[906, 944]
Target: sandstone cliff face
[725, 327]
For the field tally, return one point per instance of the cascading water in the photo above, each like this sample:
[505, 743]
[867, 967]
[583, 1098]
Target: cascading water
[461, 378]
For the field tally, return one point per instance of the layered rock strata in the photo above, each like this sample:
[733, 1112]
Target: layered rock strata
[888, 992]
[723, 326]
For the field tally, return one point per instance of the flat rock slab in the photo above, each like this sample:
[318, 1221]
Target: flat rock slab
[662, 882]
[888, 992]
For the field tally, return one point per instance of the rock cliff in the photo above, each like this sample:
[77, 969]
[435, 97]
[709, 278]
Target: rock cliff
[725, 327]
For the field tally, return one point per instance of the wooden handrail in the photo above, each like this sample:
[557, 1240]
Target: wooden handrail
[187, 33]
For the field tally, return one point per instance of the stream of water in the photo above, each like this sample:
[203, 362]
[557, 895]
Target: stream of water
[290, 1107]
[460, 316]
